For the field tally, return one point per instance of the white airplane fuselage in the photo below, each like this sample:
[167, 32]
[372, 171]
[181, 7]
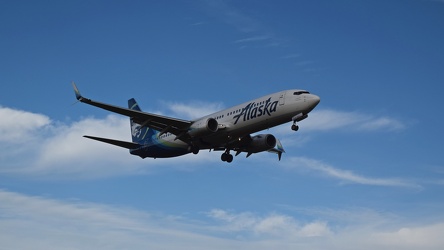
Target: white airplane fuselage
[253, 116]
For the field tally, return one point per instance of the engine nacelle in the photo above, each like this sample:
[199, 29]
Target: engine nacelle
[262, 142]
[203, 127]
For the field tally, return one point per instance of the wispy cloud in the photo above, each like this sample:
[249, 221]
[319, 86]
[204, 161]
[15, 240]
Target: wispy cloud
[193, 110]
[231, 16]
[327, 119]
[346, 176]
[242, 22]
[35, 222]
[32, 222]
[271, 225]
[252, 39]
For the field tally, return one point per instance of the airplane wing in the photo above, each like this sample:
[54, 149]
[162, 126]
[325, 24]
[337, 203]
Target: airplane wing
[158, 122]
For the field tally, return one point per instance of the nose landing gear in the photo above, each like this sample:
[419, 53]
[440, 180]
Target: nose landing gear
[297, 118]
[193, 149]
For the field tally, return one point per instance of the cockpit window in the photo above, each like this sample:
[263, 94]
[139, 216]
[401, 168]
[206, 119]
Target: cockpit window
[301, 92]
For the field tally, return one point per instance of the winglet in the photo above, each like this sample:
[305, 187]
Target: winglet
[279, 155]
[278, 149]
[76, 91]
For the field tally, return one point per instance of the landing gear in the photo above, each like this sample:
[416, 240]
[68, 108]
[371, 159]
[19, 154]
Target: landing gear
[227, 156]
[297, 118]
[193, 149]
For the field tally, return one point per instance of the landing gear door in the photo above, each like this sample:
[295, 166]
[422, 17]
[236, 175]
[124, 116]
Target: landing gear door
[282, 99]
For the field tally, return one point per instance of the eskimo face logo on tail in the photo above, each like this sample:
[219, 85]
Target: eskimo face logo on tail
[253, 110]
[135, 130]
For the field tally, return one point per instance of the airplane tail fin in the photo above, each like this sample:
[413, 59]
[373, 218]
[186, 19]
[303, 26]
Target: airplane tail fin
[140, 134]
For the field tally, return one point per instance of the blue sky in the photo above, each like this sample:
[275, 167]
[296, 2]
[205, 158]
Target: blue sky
[364, 171]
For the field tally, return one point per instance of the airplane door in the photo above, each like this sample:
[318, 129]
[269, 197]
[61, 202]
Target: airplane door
[282, 99]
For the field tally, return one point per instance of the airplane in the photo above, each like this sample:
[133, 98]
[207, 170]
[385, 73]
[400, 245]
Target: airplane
[231, 129]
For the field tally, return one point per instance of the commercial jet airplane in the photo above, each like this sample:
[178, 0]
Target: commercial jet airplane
[158, 136]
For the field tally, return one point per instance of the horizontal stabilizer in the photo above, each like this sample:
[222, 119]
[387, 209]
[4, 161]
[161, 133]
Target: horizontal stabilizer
[123, 144]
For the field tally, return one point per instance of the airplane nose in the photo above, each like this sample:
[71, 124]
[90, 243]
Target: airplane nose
[311, 102]
[314, 100]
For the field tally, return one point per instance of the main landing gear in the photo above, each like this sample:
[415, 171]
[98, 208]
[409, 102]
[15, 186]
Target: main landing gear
[227, 156]
[193, 149]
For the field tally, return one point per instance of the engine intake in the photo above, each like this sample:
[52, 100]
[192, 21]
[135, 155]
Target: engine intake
[203, 127]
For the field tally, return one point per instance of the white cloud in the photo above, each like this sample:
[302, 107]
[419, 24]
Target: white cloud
[33, 222]
[235, 222]
[267, 226]
[420, 237]
[40, 223]
[334, 120]
[346, 176]
[317, 228]
[384, 123]
[194, 110]
[68, 152]
[18, 125]
[325, 120]
[59, 149]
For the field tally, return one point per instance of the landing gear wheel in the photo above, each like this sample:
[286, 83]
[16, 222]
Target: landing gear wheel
[227, 157]
[194, 149]
[224, 157]
[294, 127]
[230, 158]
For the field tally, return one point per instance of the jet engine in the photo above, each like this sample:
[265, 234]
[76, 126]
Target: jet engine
[262, 142]
[203, 127]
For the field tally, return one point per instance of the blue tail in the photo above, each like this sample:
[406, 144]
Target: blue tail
[140, 135]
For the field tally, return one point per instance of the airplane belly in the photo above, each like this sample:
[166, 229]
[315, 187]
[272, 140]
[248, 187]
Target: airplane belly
[154, 151]
[162, 149]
